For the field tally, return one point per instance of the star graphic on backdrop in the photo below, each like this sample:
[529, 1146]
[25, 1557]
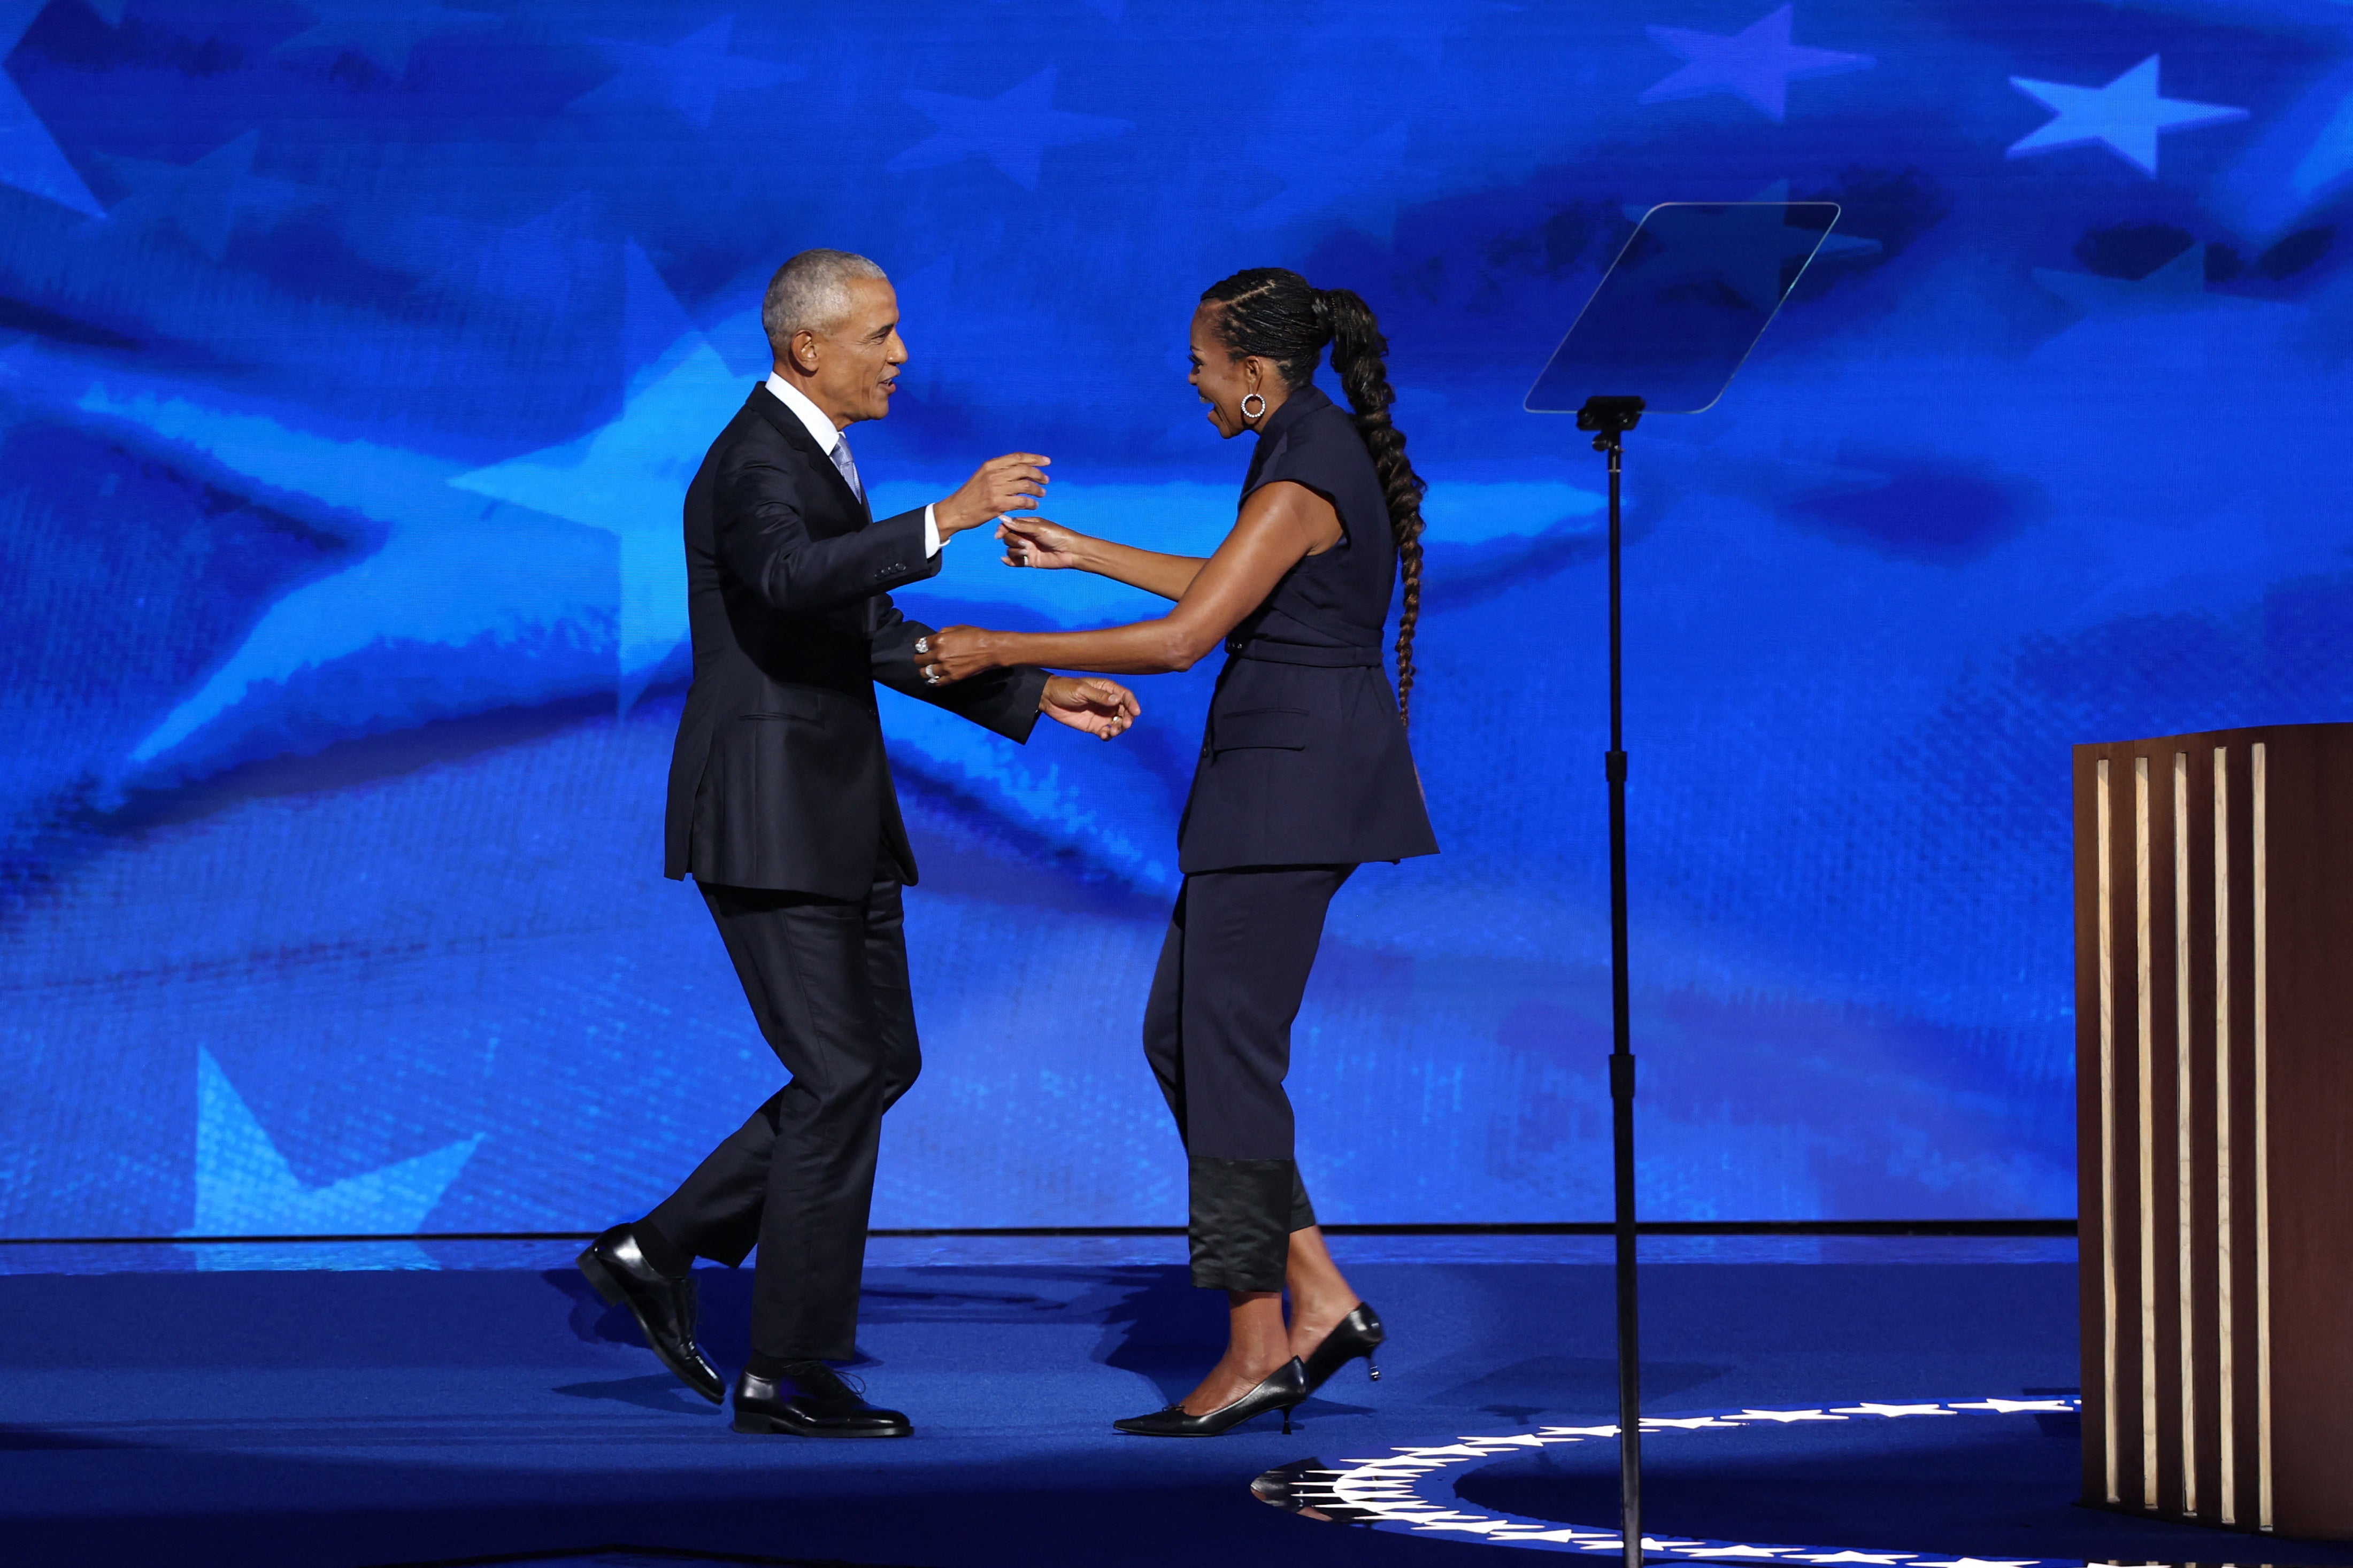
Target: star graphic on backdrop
[1012, 130]
[244, 1187]
[2176, 291]
[2329, 159]
[30, 158]
[626, 478]
[1758, 63]
[1359, 183]
[2126, 116]
[451, 570]
[1785, 1417]
[1974, 1562]
[1881, 1558]
[201, 200]
[1891, 1411]
[1685, 1423]
[686, 77]
[381, 31]
[557, 255]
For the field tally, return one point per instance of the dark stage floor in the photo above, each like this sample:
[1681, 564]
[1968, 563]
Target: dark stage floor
[167, 1414]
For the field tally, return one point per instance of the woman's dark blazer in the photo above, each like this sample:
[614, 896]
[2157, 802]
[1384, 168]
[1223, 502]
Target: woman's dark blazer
[778, 779]
[1305, 762]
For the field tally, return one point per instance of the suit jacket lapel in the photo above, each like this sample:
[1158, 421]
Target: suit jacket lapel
[793, 430]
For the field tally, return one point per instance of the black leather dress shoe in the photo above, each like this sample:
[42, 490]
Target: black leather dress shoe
[1286, 1387]
[1357, 1334]
[811, 1400]
[663, 1307]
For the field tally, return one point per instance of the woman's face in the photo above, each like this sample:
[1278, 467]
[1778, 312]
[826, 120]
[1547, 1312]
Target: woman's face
[1224, 381]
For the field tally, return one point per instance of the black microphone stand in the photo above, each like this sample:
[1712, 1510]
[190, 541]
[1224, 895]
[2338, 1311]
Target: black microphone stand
[1610, 418]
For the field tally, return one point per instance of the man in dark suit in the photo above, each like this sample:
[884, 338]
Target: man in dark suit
[781, 808]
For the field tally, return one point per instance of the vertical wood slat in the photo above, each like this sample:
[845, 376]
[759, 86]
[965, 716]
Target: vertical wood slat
[2185, 1162]
[2259, 881]
[2112, 1489]
[2225, 1229]
[2145, 1125]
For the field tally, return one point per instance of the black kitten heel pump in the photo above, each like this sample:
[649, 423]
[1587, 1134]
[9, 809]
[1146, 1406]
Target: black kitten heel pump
[1357, 1334]
[1286, 1388]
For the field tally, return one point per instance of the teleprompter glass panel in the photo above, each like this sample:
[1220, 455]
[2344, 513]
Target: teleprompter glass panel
[1683, 304]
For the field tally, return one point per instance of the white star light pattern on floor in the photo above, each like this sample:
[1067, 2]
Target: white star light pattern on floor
[1413, 1489]
[2126, 116]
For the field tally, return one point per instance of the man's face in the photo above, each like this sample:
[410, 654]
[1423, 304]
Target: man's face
[857, 357]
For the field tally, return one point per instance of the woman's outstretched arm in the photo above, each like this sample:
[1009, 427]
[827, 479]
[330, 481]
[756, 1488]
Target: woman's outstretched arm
[1280, 524]
[1046, 546]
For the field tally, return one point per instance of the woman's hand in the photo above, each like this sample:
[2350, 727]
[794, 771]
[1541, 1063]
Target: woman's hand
[955, 653]
[1039, 541]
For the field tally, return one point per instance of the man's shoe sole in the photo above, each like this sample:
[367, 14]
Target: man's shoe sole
[772, 1427]
[601, 1278]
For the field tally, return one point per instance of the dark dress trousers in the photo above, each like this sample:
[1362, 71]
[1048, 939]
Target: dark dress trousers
[781, 807]
[1304, 772]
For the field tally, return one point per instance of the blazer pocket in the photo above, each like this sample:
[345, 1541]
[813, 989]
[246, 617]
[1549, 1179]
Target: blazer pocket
[782, 706]
[1281, 729]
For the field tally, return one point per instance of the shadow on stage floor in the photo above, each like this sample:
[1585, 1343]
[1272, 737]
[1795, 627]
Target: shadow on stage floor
[335, 1419]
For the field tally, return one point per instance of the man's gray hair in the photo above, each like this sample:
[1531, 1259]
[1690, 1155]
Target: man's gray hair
[811, 293]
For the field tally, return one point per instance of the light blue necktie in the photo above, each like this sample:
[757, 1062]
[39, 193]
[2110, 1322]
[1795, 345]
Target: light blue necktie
[848, 465]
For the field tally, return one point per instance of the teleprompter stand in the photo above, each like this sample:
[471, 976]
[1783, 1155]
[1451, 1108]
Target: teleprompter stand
[1670, 324]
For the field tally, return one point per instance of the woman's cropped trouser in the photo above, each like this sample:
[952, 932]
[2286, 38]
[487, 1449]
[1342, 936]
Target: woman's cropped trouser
[1216, 1030]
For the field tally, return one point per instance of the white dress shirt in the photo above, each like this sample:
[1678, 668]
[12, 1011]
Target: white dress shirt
[822, 431]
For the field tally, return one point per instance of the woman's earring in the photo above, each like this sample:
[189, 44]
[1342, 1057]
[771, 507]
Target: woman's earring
[1250, 412]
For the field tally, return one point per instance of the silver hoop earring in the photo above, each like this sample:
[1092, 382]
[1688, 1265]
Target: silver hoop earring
[1250, 412]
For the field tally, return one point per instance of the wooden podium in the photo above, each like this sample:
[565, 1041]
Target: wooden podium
[2214, 1084]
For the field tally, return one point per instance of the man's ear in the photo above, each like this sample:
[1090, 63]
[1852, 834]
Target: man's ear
[803, 352]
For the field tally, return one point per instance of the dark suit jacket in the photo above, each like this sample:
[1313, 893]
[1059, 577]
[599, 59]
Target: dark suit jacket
[778, 779]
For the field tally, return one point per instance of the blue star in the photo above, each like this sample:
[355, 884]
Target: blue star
[201, 200]
[1012, 130]
[2126, 116]
[2329, 159]
[2168, 324]
[1359, 183]
[521, 602]
[384, 31]
[625, 478]
[244, 1187]
[1758, 63]
[686, 77]
[30, 159]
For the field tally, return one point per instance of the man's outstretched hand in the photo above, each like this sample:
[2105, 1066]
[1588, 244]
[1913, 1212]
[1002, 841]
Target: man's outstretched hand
[1101, 708]
[1014, 482]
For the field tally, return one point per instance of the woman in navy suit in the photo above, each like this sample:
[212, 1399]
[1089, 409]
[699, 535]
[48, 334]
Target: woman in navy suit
[1305, 774]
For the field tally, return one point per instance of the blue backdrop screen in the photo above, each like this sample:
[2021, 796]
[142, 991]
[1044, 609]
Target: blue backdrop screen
[355, 355]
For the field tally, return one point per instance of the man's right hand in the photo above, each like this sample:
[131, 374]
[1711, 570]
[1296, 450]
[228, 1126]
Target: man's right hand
[1014, 482]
